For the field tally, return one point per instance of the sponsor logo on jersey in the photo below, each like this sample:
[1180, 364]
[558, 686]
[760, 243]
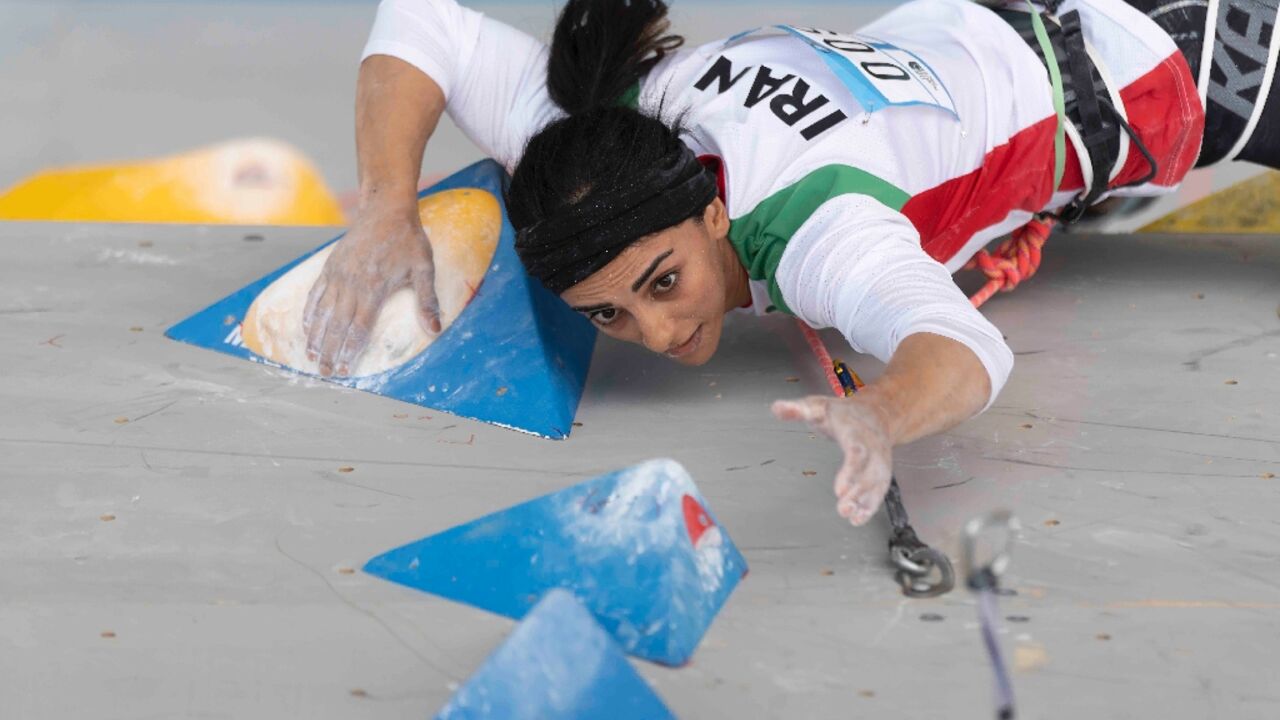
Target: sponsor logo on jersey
[923, 74]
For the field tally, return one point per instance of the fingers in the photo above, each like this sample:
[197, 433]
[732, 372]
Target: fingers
[855, 461]
[864, 477]
[380, 255]
[812, 409]
[860, 487]
[424, 285]
[335, 333]
[315, 318]
[357, 337]
[313, 303]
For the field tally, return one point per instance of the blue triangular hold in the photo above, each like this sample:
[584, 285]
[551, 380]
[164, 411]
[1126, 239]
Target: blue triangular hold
[558, 663]
[517, 356]
[639, 548]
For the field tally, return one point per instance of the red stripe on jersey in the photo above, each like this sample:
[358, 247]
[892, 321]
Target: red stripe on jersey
[1017, 175]
[1072, 176]
[1164, 109]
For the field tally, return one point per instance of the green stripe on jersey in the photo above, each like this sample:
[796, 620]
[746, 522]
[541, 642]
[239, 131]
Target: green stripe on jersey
[760, 236]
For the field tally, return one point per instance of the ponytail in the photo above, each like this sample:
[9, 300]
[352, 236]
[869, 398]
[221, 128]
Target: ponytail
[591, 183]
[601, 48]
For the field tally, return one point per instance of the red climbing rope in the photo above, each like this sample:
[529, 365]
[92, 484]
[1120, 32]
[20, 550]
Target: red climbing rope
[1015, 260]
[824, 358]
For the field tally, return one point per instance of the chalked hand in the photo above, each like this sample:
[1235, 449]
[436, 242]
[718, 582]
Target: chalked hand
[863, 478]
[378, 256]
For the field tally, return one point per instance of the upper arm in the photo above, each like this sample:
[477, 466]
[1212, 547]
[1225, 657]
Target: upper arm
[493, 76]
[857, 265]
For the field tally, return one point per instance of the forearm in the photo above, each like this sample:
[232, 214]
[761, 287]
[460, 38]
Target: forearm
[397, 109]
[931, 384]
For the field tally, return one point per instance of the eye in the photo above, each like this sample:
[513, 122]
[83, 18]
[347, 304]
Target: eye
[605, 316]
[666, 283]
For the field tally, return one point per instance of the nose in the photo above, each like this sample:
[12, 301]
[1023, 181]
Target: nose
[657, 331]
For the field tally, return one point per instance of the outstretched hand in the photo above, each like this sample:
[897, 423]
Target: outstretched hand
[376, 257]
[863, 478]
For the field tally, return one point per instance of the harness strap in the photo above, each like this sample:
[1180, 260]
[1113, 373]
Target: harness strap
[1059, 102]
[1096, 134]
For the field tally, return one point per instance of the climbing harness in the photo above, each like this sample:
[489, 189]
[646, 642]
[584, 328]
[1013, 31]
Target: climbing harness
[984, 581]
[922, 571]
[1080, 97]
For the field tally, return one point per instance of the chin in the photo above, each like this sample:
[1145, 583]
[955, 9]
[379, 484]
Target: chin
[710, 341]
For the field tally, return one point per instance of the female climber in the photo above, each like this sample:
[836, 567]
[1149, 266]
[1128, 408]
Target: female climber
[838, 177]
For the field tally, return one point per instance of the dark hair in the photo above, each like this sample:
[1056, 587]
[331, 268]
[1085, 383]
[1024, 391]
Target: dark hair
[599, 52]
[601, 49]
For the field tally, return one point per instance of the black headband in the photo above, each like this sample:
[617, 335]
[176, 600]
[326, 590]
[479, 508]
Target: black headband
[564, 249]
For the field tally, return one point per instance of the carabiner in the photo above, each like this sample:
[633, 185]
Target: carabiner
[916, 568]
[984, 581]
[999, 520]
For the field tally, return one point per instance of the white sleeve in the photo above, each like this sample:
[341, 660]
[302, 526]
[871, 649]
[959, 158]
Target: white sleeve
[493, 76]
[857, 265]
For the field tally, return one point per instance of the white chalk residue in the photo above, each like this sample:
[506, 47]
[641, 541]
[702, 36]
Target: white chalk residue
[644, 514]
[709, 557]
[630, 513]
[134, 257]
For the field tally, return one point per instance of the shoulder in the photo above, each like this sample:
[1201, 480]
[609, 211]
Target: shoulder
[825, 228]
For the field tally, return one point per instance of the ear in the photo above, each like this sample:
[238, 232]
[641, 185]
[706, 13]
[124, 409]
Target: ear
[716, 219]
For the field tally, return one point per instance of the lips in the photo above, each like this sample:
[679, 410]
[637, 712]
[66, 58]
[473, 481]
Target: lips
[688, 346]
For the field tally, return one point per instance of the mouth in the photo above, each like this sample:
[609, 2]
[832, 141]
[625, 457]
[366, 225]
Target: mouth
[688, 346]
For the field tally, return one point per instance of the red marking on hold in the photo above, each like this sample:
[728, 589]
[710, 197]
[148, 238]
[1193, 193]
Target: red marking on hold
[474, 290]
[696, 519]
[53, 341]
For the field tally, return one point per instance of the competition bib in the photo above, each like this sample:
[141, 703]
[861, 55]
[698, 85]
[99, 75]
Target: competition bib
[878, 74]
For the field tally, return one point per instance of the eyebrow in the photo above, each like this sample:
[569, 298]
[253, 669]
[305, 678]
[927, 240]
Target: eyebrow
[635, 286]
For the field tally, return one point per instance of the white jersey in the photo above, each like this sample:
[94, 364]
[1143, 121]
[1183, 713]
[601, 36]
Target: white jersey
[855, 186]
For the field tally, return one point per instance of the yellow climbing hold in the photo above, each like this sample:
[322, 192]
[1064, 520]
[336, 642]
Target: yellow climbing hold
[240, 182]
[1246, 207]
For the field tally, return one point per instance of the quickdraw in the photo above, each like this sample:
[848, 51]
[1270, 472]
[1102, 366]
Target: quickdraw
[984, 581]
[925, 572]
[921, 571]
